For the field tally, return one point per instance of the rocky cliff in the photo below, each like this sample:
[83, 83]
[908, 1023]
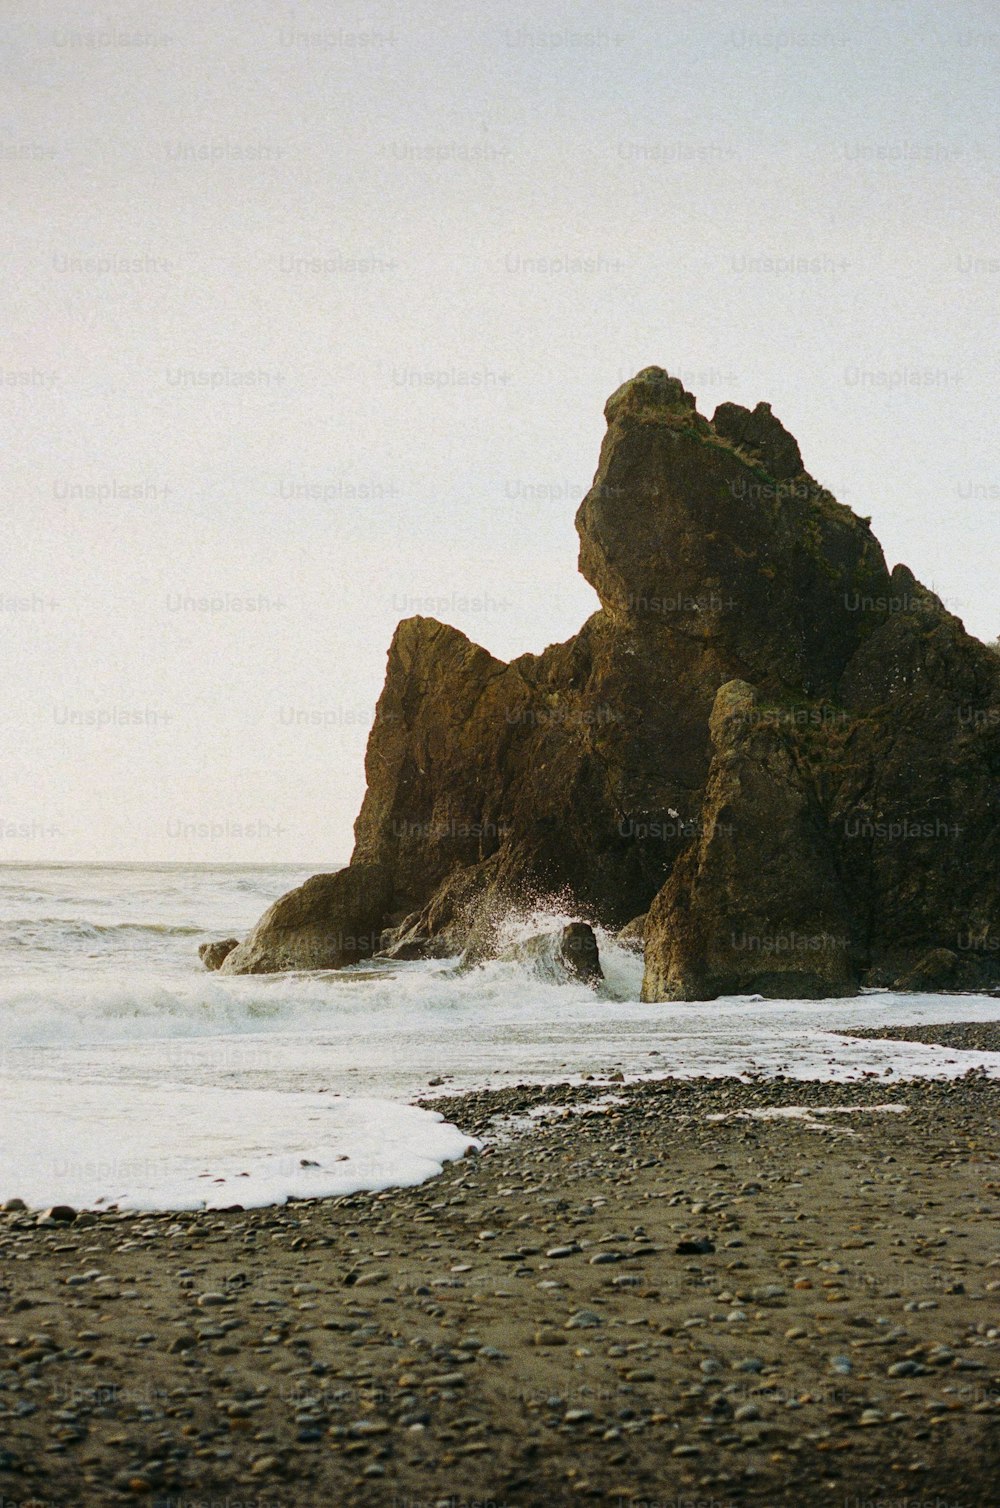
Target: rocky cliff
[845, 788]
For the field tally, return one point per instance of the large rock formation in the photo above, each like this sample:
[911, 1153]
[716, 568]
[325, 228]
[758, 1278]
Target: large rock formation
[869, 770]
[755, 903]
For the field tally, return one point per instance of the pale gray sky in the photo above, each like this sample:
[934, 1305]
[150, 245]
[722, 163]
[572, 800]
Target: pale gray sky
[311, 312]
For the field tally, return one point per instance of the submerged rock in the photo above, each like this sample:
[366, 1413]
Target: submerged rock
[864, 785]
[213, 954]
[571, 952]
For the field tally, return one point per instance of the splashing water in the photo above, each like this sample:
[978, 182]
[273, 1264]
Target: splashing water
[113, 1034]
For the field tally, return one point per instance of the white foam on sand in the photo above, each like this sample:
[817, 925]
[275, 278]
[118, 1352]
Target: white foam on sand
[96, 1145]
[809, 1116]
[135, 1076]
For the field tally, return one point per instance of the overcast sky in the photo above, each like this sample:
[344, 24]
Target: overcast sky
[311, 313]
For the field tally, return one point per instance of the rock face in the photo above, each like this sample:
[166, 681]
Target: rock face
[214, 954]
[589, 772]
[940, 970]
[755, 904]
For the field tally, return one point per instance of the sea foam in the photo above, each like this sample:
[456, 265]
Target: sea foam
[113, 1035]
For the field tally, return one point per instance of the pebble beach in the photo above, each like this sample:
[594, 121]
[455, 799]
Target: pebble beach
[718, 1291]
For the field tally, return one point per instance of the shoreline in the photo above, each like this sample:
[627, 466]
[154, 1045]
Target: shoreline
[543, 1322]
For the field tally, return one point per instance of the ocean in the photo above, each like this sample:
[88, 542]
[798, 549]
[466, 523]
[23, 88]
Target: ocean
[130, 1076]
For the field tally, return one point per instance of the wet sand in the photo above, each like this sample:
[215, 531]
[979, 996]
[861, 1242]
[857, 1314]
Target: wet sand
[977, 1036]
[626, 1302]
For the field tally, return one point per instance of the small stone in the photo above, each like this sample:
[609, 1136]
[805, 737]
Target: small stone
[244, 1408]
[363, 1428]
[549, 1338]
[61, 1214]
[264, 1464]
[583, 1319]
[210, 1300]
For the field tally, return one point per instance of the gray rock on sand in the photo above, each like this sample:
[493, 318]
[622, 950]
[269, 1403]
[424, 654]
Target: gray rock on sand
[214, 954]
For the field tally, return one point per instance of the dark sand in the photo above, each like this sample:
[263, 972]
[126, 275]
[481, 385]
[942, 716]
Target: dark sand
[525, 1330]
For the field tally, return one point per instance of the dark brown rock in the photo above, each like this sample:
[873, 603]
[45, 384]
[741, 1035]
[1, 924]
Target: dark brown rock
[755, 905]
[632, 935]
[579, 774]
[937, 970]
[213, 954]
[330, 921]
[913, 789]
[941, 971]
[683, 537]
[760, 431]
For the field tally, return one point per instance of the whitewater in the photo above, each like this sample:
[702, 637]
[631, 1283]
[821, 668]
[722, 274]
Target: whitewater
[132, 1077]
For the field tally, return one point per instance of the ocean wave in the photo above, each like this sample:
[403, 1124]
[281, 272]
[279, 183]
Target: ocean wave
[166, 929]
[378, 998]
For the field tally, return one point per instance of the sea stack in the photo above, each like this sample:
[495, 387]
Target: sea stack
[785, 752]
